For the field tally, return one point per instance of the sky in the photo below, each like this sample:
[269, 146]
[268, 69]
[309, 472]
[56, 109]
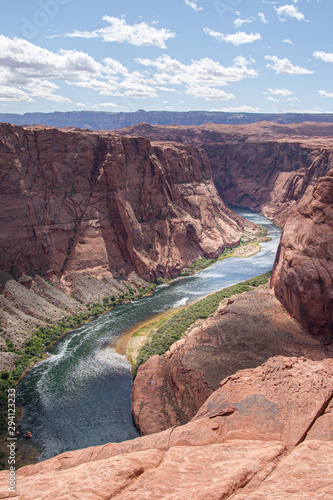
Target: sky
[266, 56]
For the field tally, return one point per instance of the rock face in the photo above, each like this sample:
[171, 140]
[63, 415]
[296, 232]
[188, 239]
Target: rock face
[240, 444]
[169, 390]
[303, 269]
[103, 205]
[266, 167]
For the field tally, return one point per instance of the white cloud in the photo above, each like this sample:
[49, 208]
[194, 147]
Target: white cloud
[101, 86]
[262, 17]
[324, 56]
[239, 22]
[272, 99]
[140, 35]
[12, 94]
[205, 71]
[105, 105]
[236, 39]
[287, 40]
[324, 93]
[201, 78]
[285, 67]
[313, 110]
[289, 11]
[193, 4]
[208, 93]
[166, 89]
[279, 92]
[29, 68]
[25, 61]
[238, 109]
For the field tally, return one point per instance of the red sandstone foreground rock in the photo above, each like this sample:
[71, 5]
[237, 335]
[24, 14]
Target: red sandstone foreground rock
[240, 443]
[169, 390]
[263, 166]
[303, 271]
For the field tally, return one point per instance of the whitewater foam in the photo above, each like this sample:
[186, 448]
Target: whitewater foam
[181, 302]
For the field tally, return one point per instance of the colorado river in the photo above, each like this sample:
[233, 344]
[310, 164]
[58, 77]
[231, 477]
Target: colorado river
[80, 395]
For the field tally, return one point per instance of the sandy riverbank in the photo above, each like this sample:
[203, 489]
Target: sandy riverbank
[132, 341]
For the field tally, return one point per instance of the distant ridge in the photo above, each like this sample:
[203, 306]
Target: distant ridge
[103, 120]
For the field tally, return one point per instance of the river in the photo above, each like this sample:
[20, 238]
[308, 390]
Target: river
[80, 395]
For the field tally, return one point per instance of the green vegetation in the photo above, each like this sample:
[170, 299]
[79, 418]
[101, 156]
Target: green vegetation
[34, 349]
[197, 265]
[175, 328]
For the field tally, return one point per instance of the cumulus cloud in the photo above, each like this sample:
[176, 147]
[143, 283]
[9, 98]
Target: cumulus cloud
[287, 40]
[239, 22]
[324, 56]
[262, 17]
[140, 35]
[208, 93]
[29, 68]
[238, 109]
[202, 78]
[324, 93]
[285, 67]
[193, 4]
[279, 92]
[12, 94]
[289, 11]
[236, 38]
[101, 105]
[25, 61]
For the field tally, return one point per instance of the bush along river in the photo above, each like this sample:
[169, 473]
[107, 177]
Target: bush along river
[80, 395]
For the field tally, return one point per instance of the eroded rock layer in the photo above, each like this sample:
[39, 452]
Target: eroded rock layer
[264, 166]
[104, 205]
[251, 439]
[247, 331]
[303, 271]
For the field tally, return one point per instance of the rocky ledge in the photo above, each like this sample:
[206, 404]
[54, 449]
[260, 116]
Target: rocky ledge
[245, 331]
[265, 433]
[303, 272]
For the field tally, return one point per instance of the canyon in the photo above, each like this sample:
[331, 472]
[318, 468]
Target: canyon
[265, 166]
[89, 215]
[83, 213]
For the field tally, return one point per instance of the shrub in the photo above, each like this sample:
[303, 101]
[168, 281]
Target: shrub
[174, 329]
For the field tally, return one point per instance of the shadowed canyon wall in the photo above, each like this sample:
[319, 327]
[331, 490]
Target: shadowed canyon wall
[303, 272]
[107, 205]
[263, 166]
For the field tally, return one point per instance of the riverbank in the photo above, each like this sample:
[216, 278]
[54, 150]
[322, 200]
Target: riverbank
[88, 378]
[159, 338]
[133, 340]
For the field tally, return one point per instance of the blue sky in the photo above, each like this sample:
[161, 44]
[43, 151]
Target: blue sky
[229, 55]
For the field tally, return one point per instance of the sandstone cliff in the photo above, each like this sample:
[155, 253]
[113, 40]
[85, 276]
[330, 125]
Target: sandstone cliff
[265, 433]
[93, 214]
[243, 333]
[104, 205]
[303, 271]
[263, 166]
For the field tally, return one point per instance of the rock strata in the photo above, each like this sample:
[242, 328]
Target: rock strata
[241, 444]
[104, 205]
[90, 215]
[264, 166]
[245, 332]
[303, 271]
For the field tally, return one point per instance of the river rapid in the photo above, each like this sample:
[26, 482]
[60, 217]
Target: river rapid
[80, 395]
